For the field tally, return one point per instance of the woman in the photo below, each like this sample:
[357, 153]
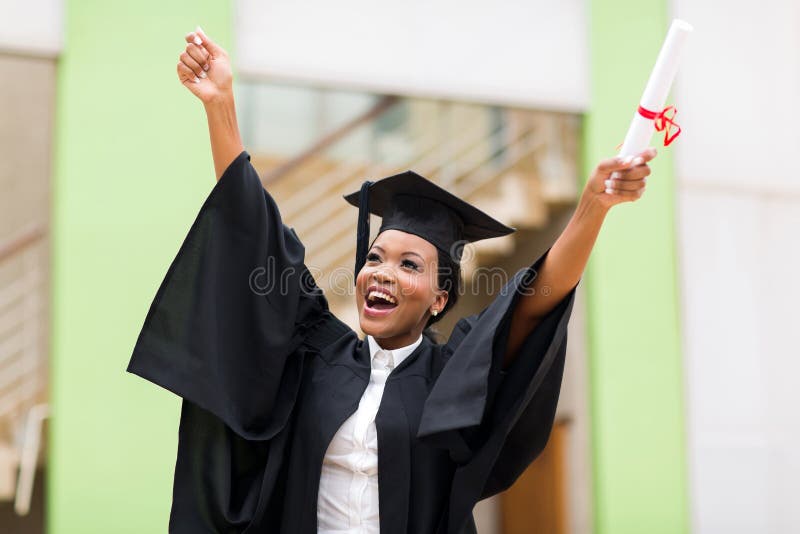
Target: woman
[292, 424]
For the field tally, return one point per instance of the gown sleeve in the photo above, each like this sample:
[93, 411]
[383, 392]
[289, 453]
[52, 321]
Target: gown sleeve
[495, 422]
[224, 322]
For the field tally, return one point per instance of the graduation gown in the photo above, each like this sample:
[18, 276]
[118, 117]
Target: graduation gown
[268, 374]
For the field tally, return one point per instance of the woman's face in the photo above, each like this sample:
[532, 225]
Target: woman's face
[397, 288]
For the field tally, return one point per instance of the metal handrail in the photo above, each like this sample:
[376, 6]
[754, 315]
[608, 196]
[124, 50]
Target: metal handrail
[21, 241]
[430, 158]
[332, 138]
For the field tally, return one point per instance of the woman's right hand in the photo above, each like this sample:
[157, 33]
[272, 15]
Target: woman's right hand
[204, 68]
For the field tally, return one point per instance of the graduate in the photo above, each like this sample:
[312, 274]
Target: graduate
[292, 424]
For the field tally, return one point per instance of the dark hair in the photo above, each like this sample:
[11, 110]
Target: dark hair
[449, 279]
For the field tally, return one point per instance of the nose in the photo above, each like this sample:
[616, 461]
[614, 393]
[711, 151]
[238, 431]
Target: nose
[383, 275]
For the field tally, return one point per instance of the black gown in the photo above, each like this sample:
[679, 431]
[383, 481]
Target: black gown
[267, 374]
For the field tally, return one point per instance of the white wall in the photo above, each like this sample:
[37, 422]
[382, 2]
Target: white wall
[739, 216]
[31, 26]
[532, 52]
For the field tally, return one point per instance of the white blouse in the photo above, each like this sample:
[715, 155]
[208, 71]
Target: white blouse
[348, 487]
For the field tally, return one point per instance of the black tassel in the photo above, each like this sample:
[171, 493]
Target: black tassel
[362, 231]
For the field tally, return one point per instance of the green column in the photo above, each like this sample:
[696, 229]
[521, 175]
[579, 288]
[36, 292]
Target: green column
[634, 338]
[132, 167]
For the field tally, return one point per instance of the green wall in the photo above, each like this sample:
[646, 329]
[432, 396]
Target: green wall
[132, 168]
[636, 375]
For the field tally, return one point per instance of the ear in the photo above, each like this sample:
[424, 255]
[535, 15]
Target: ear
[441, 300]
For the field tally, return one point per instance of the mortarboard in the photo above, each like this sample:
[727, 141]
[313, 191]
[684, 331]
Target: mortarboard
[413, 204]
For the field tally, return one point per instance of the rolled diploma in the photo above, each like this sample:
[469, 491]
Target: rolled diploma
[655, 93]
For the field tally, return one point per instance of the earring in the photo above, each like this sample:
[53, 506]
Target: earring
[435, 313]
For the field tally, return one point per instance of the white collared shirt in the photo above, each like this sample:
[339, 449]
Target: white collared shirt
[348, 487]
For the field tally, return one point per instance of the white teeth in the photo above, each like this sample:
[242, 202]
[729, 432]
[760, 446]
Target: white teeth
[380, 295]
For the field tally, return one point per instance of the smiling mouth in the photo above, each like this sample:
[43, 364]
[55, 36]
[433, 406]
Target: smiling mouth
[378, 301]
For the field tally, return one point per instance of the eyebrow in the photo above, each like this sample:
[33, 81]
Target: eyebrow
[408, 252]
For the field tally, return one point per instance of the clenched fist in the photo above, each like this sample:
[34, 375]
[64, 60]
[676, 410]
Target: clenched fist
[204, 68]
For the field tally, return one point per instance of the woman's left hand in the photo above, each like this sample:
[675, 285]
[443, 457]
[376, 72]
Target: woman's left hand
[619, 180]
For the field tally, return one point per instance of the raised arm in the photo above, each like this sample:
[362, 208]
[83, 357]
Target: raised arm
[205, 69]
[564, 265]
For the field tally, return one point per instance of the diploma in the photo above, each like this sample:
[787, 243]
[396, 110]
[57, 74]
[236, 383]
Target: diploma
[650, 116]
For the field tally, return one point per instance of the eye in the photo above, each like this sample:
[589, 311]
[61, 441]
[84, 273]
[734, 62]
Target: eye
[373, 257]
[410, 265]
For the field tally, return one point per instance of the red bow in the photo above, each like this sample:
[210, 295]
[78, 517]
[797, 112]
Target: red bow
[664, 120]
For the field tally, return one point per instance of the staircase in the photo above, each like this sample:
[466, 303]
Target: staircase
[23, 363]
[516, 165]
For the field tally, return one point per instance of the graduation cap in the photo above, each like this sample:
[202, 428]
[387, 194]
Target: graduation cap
[413, 204]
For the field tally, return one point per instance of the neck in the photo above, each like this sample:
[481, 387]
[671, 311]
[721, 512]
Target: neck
[402, 340]
[397, 342]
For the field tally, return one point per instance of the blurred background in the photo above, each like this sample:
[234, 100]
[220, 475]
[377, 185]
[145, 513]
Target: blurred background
[679, 407]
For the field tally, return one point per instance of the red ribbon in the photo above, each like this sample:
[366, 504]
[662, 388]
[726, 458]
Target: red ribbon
[664, 121]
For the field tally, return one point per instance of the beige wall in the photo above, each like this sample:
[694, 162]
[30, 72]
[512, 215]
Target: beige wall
[27, 97]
